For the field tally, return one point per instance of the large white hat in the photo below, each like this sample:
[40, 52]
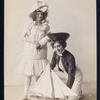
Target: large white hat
[39, 5]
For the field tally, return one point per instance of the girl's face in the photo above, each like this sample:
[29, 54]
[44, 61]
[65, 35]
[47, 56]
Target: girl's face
[39, 16]
[58, 47]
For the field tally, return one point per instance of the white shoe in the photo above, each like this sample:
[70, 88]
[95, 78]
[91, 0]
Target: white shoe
[24, 98]
[34, 96]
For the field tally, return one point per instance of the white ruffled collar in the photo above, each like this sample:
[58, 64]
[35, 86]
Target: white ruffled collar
[43, 22]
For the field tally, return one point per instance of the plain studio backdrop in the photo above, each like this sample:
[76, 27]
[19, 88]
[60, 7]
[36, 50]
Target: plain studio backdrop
[77, 17]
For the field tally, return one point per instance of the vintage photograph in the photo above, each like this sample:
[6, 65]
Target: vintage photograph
[50, 50]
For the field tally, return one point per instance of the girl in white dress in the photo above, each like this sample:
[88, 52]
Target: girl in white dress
[35, 50]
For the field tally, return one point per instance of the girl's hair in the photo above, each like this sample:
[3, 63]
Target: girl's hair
[33, 15]
[63, 43]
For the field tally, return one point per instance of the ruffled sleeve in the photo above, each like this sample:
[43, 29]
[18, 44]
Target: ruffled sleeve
[27, 27]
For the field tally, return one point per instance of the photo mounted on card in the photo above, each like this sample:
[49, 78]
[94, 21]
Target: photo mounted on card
[50, 50]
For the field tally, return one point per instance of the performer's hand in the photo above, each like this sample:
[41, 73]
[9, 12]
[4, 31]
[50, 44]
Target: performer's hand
[26, 35]
[38, 46]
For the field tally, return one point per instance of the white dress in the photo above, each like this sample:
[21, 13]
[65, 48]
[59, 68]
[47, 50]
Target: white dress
[34, 62]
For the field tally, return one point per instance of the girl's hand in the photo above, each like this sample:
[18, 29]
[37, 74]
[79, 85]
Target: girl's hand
[38, 46]
[26, 35]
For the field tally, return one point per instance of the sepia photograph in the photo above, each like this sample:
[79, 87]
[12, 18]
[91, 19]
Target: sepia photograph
[50, 50]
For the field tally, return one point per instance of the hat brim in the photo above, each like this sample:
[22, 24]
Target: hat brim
[59, 36]
[42, 8]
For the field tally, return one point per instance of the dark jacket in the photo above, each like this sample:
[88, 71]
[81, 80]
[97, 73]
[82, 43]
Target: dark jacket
[68, 62]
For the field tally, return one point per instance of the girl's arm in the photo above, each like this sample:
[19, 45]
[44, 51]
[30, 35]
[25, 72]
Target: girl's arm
[45, 40]
[26, 31]
[26, 39]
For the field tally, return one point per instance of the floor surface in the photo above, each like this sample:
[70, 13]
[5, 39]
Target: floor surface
[15, 92]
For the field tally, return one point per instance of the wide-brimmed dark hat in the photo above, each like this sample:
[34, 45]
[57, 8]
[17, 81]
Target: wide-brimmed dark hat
[59, 36]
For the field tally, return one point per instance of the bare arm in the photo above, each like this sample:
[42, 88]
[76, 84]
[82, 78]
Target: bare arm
[26, 39]
[26, 31]
[45, 39]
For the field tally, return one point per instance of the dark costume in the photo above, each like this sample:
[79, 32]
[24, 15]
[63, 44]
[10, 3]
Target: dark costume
[68, 62]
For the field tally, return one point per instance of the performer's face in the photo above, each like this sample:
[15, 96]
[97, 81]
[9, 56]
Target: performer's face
[58, 47]
[39, 16]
